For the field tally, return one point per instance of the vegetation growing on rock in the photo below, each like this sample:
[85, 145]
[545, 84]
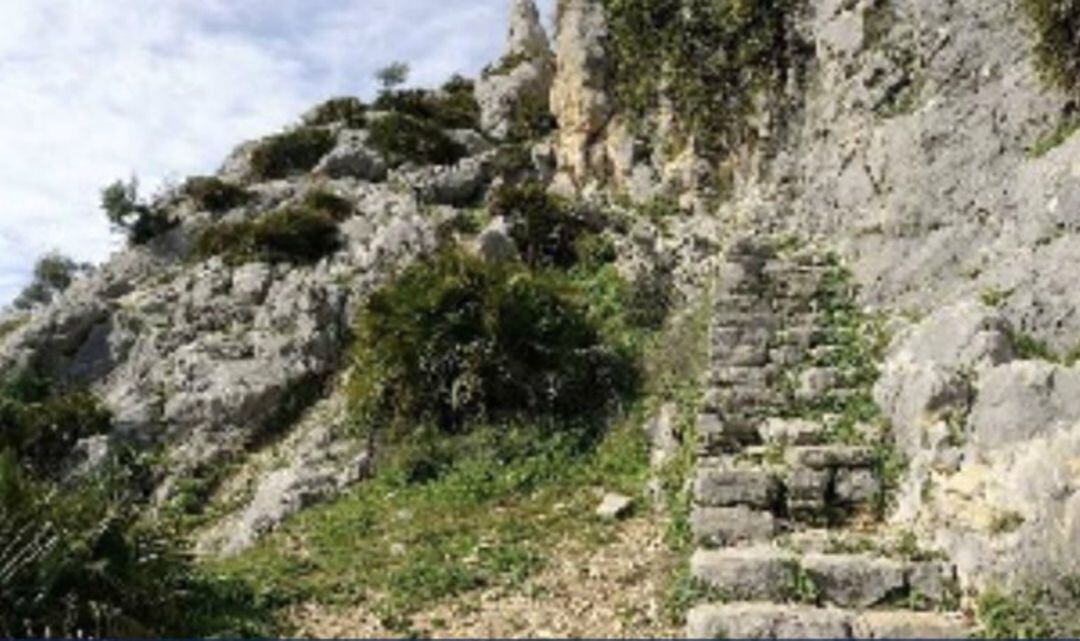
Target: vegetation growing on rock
[53, 273]
[403, 138]
[215, 195]
[300, 234]
[1057, 48]
[456, 341]
[290, 153]
[127, 213]
[349, 111]
[77, 558]
[714, 60]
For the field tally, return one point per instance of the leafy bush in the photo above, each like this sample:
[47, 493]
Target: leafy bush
[40, 424]
[452, 107]
[215, 195]
[349, 111]
[711, 58]
[455, 341]
[291, 153]
[545, 229]
[404, 138]
[53, 273]
[1057, 50]
[139, 221]
[302, 234]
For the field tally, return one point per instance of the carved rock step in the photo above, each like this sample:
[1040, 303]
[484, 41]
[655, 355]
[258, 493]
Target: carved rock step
[771, 621]
[728, 485]
[768, 573]
[715, 527]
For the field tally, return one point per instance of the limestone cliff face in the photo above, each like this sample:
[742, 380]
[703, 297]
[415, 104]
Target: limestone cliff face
[580, 98]
[907, 148]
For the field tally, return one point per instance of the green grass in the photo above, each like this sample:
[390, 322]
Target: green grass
[1048, 610]
[1028, 347]
[488, 521]
[1054, 139]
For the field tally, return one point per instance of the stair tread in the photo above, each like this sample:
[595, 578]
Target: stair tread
[756, 619]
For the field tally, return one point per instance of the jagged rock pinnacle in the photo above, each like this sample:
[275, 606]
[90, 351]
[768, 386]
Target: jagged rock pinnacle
[527, 36]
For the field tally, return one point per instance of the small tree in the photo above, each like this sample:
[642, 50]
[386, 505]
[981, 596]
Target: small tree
[139, 221]
[53, 273]
[392, 75]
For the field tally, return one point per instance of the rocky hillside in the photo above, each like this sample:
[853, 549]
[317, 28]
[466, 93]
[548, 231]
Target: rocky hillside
[869, 210]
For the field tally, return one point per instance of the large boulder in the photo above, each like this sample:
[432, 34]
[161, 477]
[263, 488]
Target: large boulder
[993, 445]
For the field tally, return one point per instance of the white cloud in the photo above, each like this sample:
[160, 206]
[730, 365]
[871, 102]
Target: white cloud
[94, 90]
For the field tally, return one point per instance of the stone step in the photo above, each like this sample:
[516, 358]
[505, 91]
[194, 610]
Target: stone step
[772, 573]
[749, 620]
[732, 486]
[757, 573]
[715, 527]
[727, 433]
[820, 457]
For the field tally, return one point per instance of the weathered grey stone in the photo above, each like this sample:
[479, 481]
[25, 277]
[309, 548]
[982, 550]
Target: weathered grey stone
[523, 74]
[614, 506]
[352, 158]
[729, 487]
[807, 490]
[723, 526]
[815, 382]
[830, 456]
[792, 431]
[767, 621]
[854, 487]
[664, 440]
[897, 624]
[932, 582]
[753, 573]
[1019, 401]
[852, 580]
[494, 243]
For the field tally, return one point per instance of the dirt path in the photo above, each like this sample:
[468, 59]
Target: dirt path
[615, 590]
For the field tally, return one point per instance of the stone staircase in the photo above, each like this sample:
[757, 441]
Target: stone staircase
[785, 516]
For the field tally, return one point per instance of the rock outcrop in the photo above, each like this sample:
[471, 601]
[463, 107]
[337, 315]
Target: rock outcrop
[580, 97]
[521, 80]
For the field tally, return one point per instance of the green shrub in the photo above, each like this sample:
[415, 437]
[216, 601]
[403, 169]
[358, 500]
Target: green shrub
[302, 234]
[215, 195]
[1057, 49]
[711, 58]
[349, 111]
[455, 341]
[53, 273]
[544, 228]
[77, 562]
[531, 119]
[291, 153]
[402, 138]
[331, 204]
[40, 424]
[453, 107]
[139, 221]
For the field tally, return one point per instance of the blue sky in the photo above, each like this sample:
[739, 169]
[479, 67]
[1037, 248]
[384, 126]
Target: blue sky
[94, 90]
